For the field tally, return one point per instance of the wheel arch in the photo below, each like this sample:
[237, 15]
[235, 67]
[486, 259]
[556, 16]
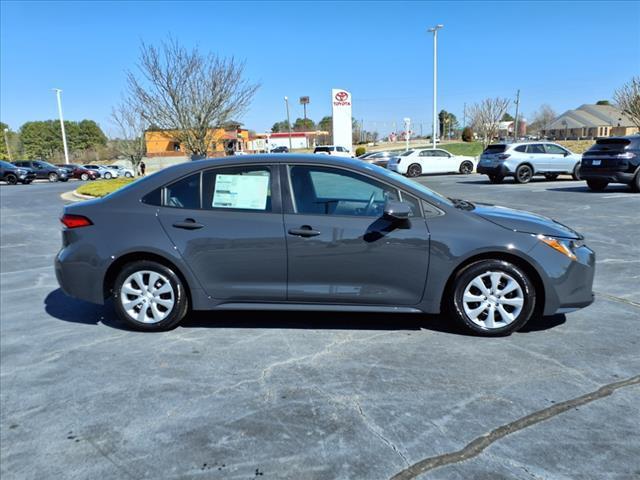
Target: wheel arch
[520, 262]
[117, 265]
[528, 164]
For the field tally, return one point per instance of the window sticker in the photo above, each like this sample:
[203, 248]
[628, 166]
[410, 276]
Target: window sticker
[241, 191]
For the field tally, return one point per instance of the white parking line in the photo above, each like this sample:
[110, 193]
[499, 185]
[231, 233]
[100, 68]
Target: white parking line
[616, 195]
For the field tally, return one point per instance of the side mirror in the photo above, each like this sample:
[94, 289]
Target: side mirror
[566, 154]
[397, 210]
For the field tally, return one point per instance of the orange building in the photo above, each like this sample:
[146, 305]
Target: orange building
[163, 143]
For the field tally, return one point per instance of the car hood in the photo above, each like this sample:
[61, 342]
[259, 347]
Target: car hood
[524, 222]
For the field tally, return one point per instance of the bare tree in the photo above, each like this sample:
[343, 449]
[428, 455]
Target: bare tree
[486, 115]
[131, 126]
[542, 118]
[188, 92]
[627, 98]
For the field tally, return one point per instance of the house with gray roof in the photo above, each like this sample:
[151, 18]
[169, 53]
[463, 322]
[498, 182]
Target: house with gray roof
[590, 121]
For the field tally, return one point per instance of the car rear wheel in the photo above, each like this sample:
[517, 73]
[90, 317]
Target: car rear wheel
[551, 176]
[597, 185]
[128, 174]
[524, 173]
[496, 178]
[576, 172]
[466, 167]
[107, 175]
[11, 179]
[149, 296]
[493, 297]
[414, 170]
[53, 177]
[84, 176]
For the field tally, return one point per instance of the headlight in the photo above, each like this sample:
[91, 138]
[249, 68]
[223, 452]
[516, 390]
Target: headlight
[564, 246]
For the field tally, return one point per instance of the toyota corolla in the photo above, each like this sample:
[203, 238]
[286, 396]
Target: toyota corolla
[315, 232]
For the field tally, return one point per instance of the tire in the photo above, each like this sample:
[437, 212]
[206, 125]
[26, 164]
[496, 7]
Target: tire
[84, 177]
[551, 176]
[53, 177]
[635, 183]
[414, 170]
[596, 184]
[128, 174]
[576, 172]
[496, 179]
[524, 174]
[11, 179]
[511, 310]
[107, 176]
[171, 304]
[466, 167]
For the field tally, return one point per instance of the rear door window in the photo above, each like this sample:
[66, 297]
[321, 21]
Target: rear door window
[237, 188]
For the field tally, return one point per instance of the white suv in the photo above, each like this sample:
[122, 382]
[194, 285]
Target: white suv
[335, 150]
[524, 160]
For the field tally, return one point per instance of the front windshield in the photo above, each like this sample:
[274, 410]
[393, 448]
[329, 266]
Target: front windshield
[409, 183]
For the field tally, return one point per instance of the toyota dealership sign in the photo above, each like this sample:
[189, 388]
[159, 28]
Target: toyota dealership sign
[341, 109]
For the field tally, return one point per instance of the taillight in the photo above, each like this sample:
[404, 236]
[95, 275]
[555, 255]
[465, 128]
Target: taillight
[503, 156]
[75, 221]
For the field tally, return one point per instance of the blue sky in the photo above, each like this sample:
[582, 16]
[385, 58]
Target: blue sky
[563, 54]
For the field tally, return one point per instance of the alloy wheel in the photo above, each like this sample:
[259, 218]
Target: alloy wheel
[147, 296]
[493, 300]
[524, 174]
[414, 170]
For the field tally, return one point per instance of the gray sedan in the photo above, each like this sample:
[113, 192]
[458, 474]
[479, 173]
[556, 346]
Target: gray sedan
[315, 232]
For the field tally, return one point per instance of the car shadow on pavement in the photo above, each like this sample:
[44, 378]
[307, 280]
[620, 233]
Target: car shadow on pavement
[68, 309]
[584, 189]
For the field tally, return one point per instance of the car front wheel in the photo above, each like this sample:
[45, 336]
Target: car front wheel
[597, 185]
[493, 297]
[576, 172]
[107, 175]
[635, 183]
[466, 167]
[84, 177]
[128, 174]
[53, 177]
[414, 170]
[149, 296]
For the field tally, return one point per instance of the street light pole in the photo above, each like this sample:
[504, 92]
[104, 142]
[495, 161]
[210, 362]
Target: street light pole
[434, 30]
[64, 136]
[6, 141]
[286, 101]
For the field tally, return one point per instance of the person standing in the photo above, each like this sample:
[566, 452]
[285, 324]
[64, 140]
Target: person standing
[143, 168]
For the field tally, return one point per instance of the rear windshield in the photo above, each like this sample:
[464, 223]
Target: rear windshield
[610, 145]
[495, 149]
[322, 149]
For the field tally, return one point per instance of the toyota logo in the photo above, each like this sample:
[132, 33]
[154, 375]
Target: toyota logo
[342, 96]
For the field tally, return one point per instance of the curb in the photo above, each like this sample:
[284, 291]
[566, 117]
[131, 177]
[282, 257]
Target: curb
[74, 196]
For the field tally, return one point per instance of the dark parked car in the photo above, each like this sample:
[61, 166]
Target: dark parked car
[281, 149]
[315, 232]
[44, 170]
[13, 174]
[612, 160]
[78, 171]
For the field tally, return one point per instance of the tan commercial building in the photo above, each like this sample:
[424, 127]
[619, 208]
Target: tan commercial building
[589, 122]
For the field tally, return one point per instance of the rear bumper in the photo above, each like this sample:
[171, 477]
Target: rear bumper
[611, 176]
[72, 273]
[497, 170]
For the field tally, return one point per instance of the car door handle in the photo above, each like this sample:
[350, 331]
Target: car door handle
[188, 224]
[304, 231]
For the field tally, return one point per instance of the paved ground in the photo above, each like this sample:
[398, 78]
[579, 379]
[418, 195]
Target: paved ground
[321, 396]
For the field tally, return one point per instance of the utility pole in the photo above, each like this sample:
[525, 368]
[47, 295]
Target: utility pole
[407, 126]
[421, 129]
[286, 102]
[434, 30]
[6, 141]
[515, 122]
[64, 136]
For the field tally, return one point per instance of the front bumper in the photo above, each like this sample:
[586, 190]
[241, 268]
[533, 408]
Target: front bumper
[26, 177]
[568, 284]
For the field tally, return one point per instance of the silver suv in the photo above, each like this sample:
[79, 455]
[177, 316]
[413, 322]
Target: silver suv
[524, 160]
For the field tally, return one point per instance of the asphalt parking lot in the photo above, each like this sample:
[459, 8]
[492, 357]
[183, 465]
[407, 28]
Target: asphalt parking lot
[245, 395]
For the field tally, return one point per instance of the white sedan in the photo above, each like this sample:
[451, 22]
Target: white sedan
[413, 163]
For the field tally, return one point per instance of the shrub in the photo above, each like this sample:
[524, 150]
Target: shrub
[360, 151]
[467, 134]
